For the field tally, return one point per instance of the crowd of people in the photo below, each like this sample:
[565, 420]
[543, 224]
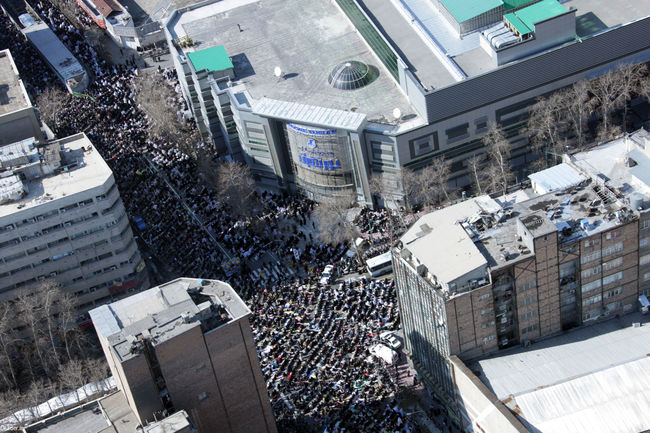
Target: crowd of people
[312, 339]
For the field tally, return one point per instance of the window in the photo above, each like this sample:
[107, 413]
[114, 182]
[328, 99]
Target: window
[484, 297]
[530, 300]
[644, 242]
[425, 144]
[591, 300]
[646, 276]
[486, 311]
[591, 286]
[644, 259]
[457, 133]
[612, 235]
[522, 287]
[590, 272]
[481, 124]
[529, 329]
[618, 246]
[489, 338]
[590, 315]
[591, 242]
[611, 293]
[614, 277]
[586, 258]
[527, 316]
[645, 224]
[607, 266]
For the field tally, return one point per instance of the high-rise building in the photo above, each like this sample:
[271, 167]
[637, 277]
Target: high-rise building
[187, 344]
[486, 274]
[62, 218]
[321, 97]
[17, 116]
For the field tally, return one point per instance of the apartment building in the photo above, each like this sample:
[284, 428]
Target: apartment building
[17, 116]
[61, 217]
[487, 274]
[187, 344]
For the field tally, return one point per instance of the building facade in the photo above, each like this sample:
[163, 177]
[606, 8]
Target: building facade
[484, 275]
[62, 218]
[421, 92]
[187, 344]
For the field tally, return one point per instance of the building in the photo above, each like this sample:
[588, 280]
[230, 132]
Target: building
[61, 217]
[110, 414]
[17, 116]
[187, 344]
[485, 275]
[323, 97]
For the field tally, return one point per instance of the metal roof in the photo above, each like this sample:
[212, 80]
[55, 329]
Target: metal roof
[310, 114]
[512, 4]
[556, 178]
[212, 59]
[53, 49]
[467, 9]
[524, 19]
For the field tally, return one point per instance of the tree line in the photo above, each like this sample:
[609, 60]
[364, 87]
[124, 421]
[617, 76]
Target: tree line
[43, 352]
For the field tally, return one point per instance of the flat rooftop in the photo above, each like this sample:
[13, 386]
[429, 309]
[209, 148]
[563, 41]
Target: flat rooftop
[592, 379]
[307, 43]
[12, 93]
[92, 171]
[166, 311]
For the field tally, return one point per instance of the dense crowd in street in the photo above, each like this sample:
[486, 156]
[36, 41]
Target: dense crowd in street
[312, 339]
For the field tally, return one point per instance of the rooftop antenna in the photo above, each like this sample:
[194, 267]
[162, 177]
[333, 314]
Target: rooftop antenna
[277, 71]
[397, 113]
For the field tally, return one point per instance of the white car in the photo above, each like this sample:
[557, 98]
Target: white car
[390, 340]
[328, 274]
[385, 353]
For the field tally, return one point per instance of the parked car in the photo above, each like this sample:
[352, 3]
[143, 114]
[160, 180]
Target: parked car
[327, 275]
[390, 340]
[385, 353]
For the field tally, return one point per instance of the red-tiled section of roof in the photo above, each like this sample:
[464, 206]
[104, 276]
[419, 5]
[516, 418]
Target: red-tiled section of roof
[106, 7]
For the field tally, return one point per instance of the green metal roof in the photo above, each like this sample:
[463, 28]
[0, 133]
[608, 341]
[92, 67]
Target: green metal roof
[212, 59]
[524, 19]
[512, 4]
[463, 10]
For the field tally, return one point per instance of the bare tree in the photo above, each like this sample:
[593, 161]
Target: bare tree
[578, 105]
[632, 83]
[234, 186]
[97, 373]
[71, 376]
[8, 338]
[51, 102]
[546, 124]
[413, 187]
[49, 293]
[334, 219]
[11, 402]
[156, 98]
[67, 308]
[608, 91]
[439, 172]
[475, 164]
[498, 149]
[31, 313]
[34, 396]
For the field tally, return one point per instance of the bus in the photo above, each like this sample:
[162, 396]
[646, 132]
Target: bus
[379, 265]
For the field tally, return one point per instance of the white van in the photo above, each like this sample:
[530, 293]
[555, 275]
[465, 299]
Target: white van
[385, 353]
[379, 265]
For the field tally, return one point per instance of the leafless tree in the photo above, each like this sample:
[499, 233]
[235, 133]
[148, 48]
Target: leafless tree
[412, 185]
[334, 220]
[632, 84]
[11, 402]
[34, 396]
[439, 172]
[608, 90]
[71, 376]
[97, 373]
[31, 313]
[234, 186]
[578, 105]
[67, 308]
[8, 338]
[476, 164]
[498, 148]
[49, 293]
[546, 125]
[51, 103]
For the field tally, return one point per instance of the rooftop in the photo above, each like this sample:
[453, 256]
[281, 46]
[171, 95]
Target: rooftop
[306, 43]
[13, 96]
[80, 168]
[570, 383]
[211, 59]
[524, 19]
[166, 311]
[467, 9]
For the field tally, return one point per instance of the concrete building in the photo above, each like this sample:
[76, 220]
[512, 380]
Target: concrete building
[187, 344]
[487, 274]
[61, 217]
[17, 116]
[319, 98]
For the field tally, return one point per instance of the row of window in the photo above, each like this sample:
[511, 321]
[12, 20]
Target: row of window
[528, 329]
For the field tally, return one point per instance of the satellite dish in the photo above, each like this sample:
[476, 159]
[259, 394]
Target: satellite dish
[397, 113]
[277, 72]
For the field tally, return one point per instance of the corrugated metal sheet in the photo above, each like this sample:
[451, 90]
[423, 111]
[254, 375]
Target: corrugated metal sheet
[615, 400]
[309, 114]
[543, 69]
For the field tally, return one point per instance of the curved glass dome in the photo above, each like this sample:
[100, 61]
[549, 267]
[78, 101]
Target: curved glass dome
[351, 75]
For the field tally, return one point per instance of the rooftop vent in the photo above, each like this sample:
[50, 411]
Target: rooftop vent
[351, 75]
